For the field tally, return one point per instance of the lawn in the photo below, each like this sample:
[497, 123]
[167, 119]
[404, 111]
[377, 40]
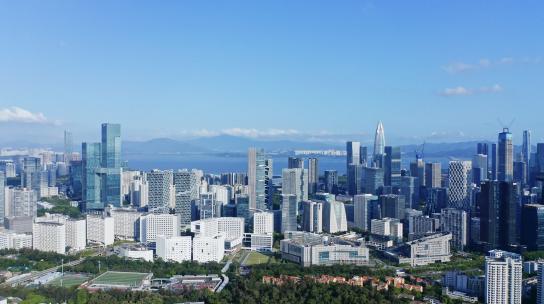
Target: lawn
[120, 278]
[255, 258]
[70, 280]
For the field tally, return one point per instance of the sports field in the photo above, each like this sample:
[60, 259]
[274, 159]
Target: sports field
[114, 278]
[69, 280]
[255, 258]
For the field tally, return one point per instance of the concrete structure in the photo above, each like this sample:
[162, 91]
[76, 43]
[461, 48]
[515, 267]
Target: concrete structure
[76, 234]
[49, 236]
[209, 248]
[100, 229]
[230, 228]
[126, 221]
[503, 277]
[12, 240]
[312, 218]
[455, 221]
[309, 249]
[430, 249]
[362, 210]
[177, 248]
[387, 227]
[160, 190]
[135, 252]
[152, 225]
[256, 177]
[334, 213]
[263, 223]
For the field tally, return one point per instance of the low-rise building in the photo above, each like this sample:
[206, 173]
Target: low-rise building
[309, 249]
[135, 252]
[426, 250]
[12, 240]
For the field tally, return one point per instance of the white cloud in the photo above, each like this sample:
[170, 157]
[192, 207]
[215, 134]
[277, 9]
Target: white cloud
[463, 91]
[16, 114]
[460, 67]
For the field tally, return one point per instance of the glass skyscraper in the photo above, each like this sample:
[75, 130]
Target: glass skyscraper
[102, 169]
[505, 153]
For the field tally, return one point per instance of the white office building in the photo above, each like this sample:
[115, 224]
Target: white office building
[387, 227]
[100, 229]
[20, 202]
[263, 223]
[503, 277]
[334, 216]
[309, 249]
[209, 248]
[427, 250]
[76, 234]
[312, 218]
[126, 222]
[49, 236]
[152, 225]
[176, 249]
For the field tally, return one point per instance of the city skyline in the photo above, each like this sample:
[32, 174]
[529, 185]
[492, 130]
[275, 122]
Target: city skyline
[149, 73]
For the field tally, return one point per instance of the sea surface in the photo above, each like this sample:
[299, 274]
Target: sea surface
[221, 163]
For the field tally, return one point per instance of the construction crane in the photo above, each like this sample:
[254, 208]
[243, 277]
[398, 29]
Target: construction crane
[419, 151]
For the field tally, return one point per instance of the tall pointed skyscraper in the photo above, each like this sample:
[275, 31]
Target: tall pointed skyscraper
[379, 140]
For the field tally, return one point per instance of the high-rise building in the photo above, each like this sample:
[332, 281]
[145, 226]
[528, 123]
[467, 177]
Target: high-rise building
[289, 212]
[532, 226]
[482, 148]
[505, 153]
[111, 164]
[263, 223]
[331, 181]
[186, 190]
[355, 177]
[503, 277]
[459, 184]
[363, 155]
[372, 180]
[353, 148]
[175, 248]
[256, 175]
[295, 162]
[20, 202]
[494, 161]
[540, 284]
[417, 169]
[363, 204]
[31, 165]
[455, 221]
[392, 166]
[526, 147]
[100, 229]
[479, 168]
[433, 175]
[160, 185]
[499, 206]
[379, 141]
[68, 146]
[268, 182]
[102, 169]
[295, 181]
[392, 205]
[410, 190]
[2, 197]
[242, 208]
[153, 225]
[334, 215]
[49, 236]
[313, 175]
[312, 220]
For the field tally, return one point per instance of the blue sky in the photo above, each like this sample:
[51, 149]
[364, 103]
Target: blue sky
[434, 70]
